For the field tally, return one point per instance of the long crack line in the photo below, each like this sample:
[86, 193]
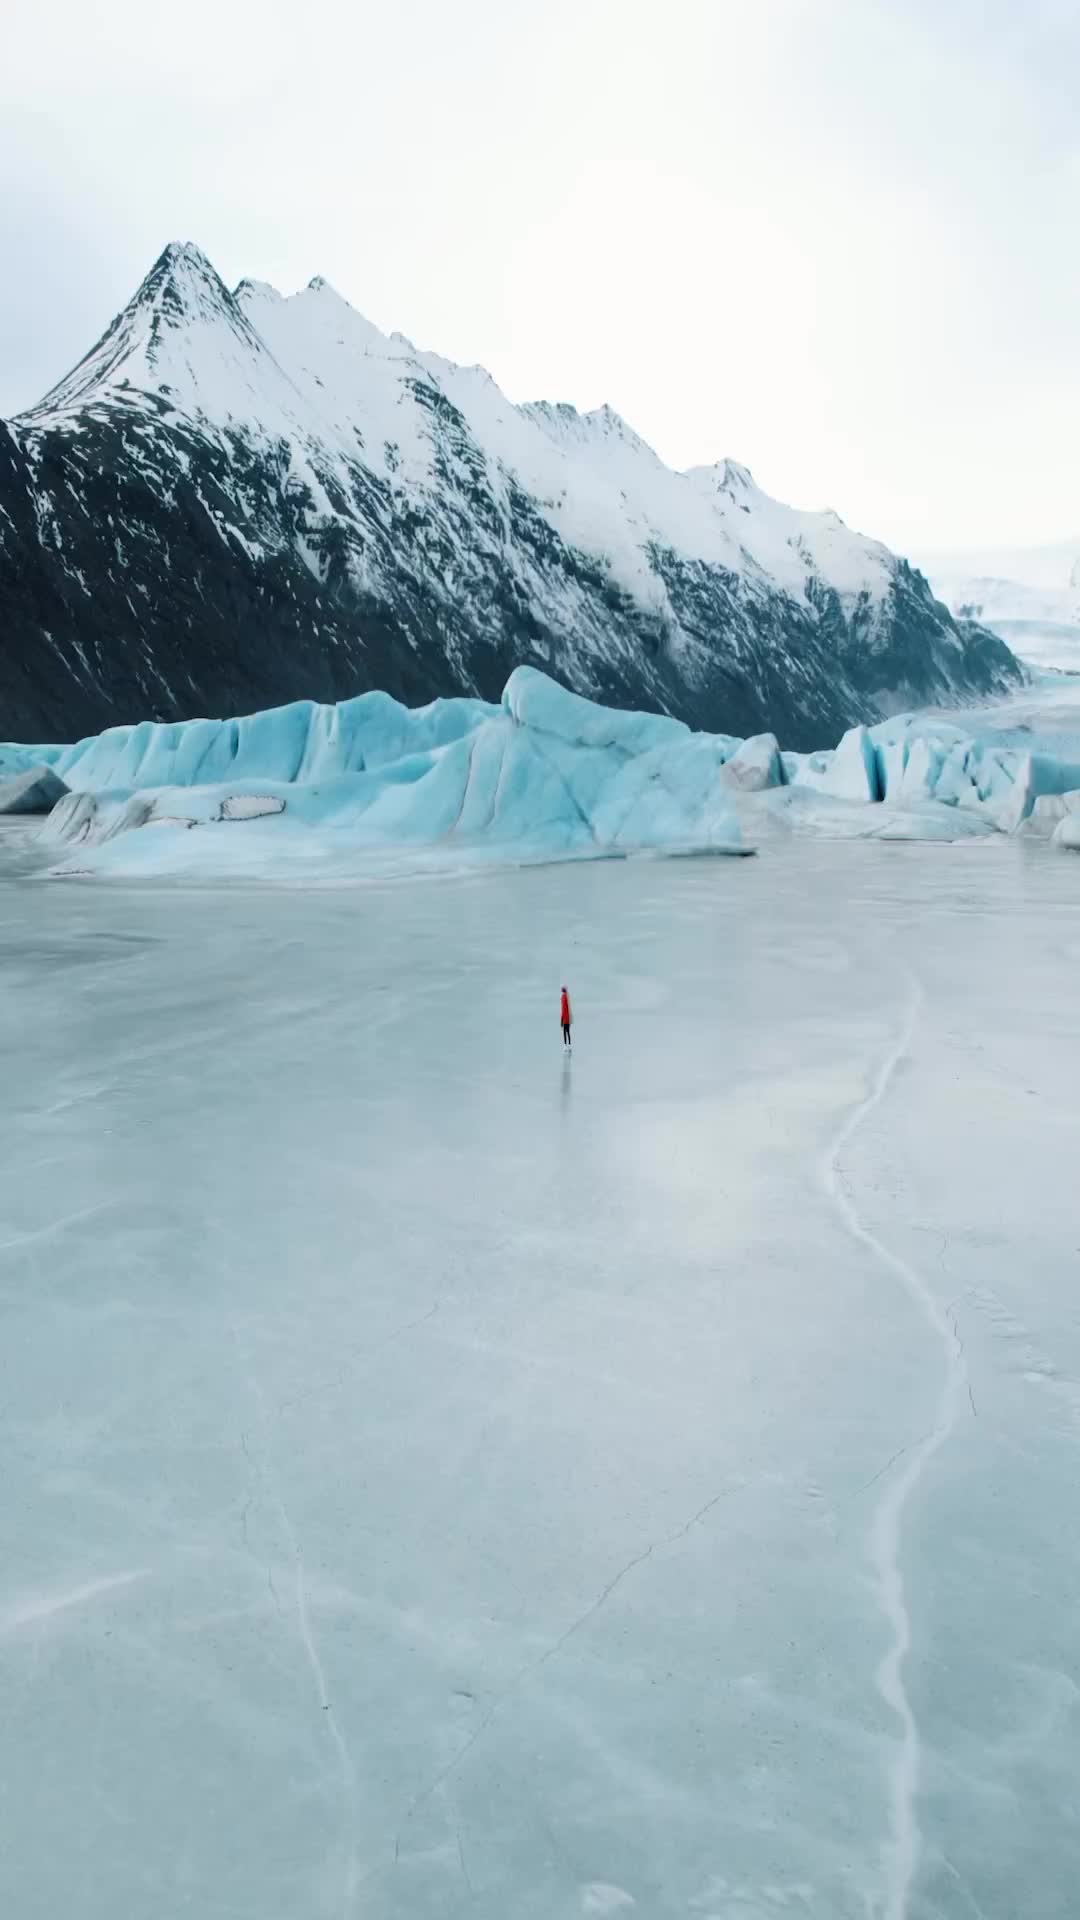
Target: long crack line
[902, 1849]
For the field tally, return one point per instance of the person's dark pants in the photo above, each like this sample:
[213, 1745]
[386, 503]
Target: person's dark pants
[566, 1033]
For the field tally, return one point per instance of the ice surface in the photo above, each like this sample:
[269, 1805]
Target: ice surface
[444, 1480]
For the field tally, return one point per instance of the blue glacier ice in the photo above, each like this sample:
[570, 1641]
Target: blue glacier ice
[543, 775]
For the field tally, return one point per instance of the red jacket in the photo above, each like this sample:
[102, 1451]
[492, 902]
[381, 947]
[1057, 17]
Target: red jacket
[564, 1008]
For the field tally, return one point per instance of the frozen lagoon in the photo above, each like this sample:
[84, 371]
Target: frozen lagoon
[443, 1480]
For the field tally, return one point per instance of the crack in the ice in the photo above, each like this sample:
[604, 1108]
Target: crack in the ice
[360, 1353]
[306, 1633]
[59, 1225]
[950, 1314]
[452, 1765]
[256, 1479]
[901, 1854]
[532, 1667]
[964, 1888]
[462, 1864]
[398, 1332]
[666, 1540]
[890, 1462]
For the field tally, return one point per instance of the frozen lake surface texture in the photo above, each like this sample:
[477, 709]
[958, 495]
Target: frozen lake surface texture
[445, 1479]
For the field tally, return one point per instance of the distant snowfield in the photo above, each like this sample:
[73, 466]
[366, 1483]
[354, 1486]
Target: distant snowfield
[444, 1479]
[1029, 596]
[315, 793]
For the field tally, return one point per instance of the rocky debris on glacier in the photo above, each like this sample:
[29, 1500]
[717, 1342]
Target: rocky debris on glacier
[236, 498]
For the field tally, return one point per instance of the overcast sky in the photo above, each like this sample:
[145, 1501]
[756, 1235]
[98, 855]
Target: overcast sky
[836, 239]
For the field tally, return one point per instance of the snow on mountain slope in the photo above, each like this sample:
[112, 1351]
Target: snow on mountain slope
[1030, 596]
[793, 546]
[354, 380]
[181, 336]
[240, 498]
[322, 791]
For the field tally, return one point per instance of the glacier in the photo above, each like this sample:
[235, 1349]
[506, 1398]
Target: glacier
[544, 775]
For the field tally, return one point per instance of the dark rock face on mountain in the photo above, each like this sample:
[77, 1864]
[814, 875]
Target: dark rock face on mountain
[237, 499]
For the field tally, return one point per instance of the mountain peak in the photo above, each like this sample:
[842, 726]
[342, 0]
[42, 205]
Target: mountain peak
[182, 285]
[184, 254]
[182, 312]
[606, 417]
[612, 425]
[728, 477]
[320, 284]
[734, 478]
[248, 289]
[600, 427]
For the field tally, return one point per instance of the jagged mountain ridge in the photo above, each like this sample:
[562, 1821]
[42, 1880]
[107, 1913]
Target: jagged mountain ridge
[237, 499]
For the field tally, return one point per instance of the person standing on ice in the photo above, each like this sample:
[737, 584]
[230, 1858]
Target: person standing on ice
[564, 1017]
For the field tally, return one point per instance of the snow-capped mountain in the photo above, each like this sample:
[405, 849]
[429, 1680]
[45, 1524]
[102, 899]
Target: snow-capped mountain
[1029, 596]
[237, 499]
